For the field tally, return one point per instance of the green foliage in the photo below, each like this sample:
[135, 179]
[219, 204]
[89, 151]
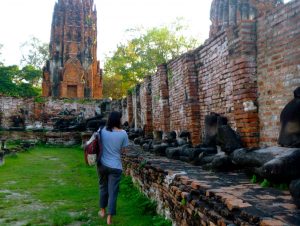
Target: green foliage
[35, 53]
[265, 183]
[183, 202]
[88, 20]
[30, 74]
[13, 155]
[282, 186]
[22, 83]
[170, 74]
[159, 221]
[61, 218]
[25, 82]
[114, 87]
[130, 90]
[39, 100]
[85, 101]
[156, 98]
[6, 77]
[140, 56]
[79, 101]
[142, 164]
[53, 186]
[254, 179]
[146, 207]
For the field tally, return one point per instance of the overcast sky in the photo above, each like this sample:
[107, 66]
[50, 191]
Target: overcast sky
[22, 19]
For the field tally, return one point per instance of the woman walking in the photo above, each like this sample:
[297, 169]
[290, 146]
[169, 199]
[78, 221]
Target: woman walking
[114, 140]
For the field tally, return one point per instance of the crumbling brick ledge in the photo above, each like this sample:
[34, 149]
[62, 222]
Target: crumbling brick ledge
[190, 196]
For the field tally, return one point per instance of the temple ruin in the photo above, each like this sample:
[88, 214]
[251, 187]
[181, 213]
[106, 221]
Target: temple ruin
[227, 110]
[246, 71]
[73, 70]
[208, 129]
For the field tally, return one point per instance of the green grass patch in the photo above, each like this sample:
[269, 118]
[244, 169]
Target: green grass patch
[265, 183]
[53, 186]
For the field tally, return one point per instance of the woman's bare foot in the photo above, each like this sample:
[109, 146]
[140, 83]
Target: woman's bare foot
[101, 213]
[109, 219]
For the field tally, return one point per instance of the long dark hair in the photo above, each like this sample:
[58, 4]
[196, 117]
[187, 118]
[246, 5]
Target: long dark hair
[114, 120]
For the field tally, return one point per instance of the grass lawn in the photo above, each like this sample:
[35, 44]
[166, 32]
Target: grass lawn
[53, 186]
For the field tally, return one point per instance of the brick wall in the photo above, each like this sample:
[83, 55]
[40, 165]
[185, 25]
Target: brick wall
[10, 106]
[129, 108]
[183, 96]
[217, 77]
[246, 72]
[189, 195]
[160, 100]
[43, 113]
[52, 138]
[136, 106]
[124, 110]
[214, 80]
[278, 70]
[146, 105]
[242, 57]
[227, 79]
[156, 109]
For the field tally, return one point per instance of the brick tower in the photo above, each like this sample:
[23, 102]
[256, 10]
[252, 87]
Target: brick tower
[73, 70]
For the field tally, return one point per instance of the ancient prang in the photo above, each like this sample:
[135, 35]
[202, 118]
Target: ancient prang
[73, 70]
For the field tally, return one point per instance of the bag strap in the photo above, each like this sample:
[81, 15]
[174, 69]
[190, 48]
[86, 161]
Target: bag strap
[99, 132]
[99, 138]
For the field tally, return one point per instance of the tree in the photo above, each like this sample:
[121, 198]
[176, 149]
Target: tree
[7, 87]
[24, 82]
[34, 56]
[114, 87]
[140, 56]
[35, 53]
[16, 82]
[29, 74]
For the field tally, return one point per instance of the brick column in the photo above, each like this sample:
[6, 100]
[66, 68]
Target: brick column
[124, 110]
[129, 108]
[146, 105]
[164, 98]
[242, 59]
[160, 100]
[136, 103]
[191, 103]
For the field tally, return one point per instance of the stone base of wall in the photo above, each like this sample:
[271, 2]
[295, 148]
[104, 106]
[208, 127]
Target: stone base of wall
[52, 138]
[189, 196]
[50, 113]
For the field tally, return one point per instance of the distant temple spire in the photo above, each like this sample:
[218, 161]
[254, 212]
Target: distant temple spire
[73, 70]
